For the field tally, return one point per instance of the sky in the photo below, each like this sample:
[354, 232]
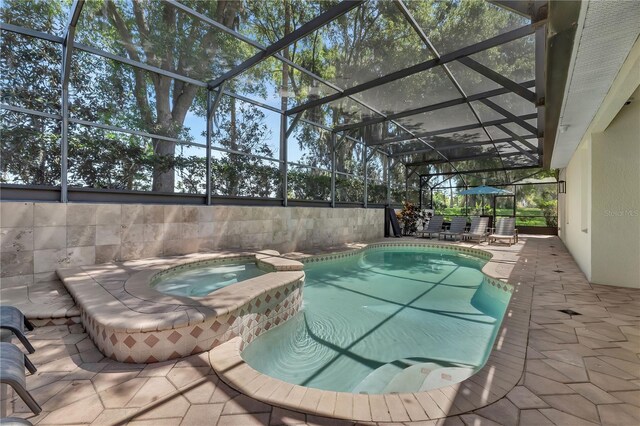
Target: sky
[197, 128]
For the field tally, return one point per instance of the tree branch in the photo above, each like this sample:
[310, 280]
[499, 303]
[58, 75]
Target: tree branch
[144, 33]
[140, 91]
[169, 21]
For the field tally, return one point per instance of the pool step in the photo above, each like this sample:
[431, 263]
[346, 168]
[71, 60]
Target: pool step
[446, 376]
[378, 379]
[411, 378]
[412, 375]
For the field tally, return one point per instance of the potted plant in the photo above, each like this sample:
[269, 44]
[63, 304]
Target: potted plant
[408, 217]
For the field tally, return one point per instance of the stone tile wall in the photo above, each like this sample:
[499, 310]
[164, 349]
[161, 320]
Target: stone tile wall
[38, 238]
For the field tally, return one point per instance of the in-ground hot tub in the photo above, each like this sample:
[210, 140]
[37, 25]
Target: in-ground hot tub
[244, 294]
[198, 280]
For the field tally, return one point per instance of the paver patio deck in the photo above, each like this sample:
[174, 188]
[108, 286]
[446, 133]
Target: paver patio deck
[581, 369]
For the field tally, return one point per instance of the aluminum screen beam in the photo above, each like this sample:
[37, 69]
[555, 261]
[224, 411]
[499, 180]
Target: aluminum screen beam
[243, 154]
[524, 152]
[213, 23]
[210, 112]
[365, 177]
[399, 125]
[508, 168]
[160, 71]
[101, 53]
[249, 41]
[534, 9]
[31, 33]
[521, 7]
[516, 88]
[470, 157]
[517, 137]
[67, 52]
[97, 125]
[430, 108]
[286, 41]
[137, 64]
[293, 124]
[213, 106]
[497, 108]
[30, 111]
[452, 147]
[284, 158]
[470, 172]
[333, 168]
[134, 132]
[427, 144]
[541, 40]
[423, 66]
[405, 11]
[451, 130]
[67, 44]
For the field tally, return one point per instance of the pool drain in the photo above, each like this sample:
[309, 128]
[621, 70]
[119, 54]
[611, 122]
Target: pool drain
[569, 312]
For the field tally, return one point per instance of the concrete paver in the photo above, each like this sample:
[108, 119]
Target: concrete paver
[580, 369]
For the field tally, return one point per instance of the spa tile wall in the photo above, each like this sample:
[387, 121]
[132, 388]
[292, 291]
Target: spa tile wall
[248, 321]
[38, 238]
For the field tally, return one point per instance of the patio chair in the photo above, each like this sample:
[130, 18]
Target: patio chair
[478, 229]
[456, 228]
[12, 319]
[434, 227]
[12, 364]
[505, 230]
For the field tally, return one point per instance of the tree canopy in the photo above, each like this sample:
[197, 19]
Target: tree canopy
[166, 152]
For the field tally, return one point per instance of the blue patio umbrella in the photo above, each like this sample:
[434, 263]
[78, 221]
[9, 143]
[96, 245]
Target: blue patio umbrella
[486, 190]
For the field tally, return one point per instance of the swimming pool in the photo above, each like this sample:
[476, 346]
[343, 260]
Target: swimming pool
[203, 278]
[389, 319]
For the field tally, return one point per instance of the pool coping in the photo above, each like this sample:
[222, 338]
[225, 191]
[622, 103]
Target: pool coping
[169, 326]
[502, 371]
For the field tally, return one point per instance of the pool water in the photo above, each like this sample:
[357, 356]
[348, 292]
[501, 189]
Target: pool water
[200, 280]
[400, 319]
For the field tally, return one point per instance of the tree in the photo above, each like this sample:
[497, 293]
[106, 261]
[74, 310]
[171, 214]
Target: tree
[238, 175]
[160, 35]
[369, 41]
[30, 78]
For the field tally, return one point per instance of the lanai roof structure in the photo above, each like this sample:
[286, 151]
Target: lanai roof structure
[459, 95]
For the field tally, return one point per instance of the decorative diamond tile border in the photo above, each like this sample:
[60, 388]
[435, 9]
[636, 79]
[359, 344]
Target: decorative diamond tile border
[148, 326]
[156, 346]
[424, 246]
[484, 255]
[44, 322]
[152, 340]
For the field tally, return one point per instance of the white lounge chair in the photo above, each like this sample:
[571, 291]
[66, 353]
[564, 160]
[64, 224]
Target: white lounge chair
[505, 230]
[478, 229]
[456, 228]
[434, 226]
